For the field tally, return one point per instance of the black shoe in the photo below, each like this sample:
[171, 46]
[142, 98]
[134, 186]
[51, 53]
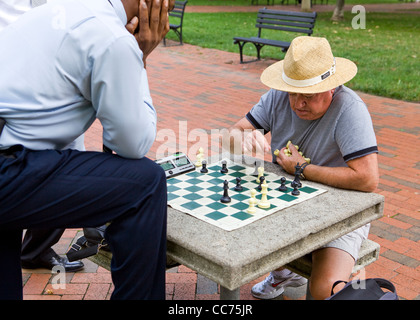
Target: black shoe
[51, 262]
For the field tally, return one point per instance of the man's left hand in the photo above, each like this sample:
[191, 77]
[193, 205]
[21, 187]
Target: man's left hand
[288, 163]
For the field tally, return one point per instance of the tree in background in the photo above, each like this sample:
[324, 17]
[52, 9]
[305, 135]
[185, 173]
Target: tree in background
[338, 13]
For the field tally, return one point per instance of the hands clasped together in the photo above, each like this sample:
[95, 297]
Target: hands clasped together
[151, 24]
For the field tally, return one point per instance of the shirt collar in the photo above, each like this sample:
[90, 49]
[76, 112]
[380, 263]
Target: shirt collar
[119, 9]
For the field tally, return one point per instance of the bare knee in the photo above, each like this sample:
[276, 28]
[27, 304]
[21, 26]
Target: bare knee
[328, 266]
[320, 287]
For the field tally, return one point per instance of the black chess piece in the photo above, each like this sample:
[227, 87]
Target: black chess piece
[298, 171]
[224, 167]
[295, 190]
[238, 186]
[283, 184]
[259, 188]
[225, 198]
[204, 168]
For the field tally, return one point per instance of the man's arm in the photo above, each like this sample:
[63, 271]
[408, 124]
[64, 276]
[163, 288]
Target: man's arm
[121, 97]
[362, 173]
[244, 138]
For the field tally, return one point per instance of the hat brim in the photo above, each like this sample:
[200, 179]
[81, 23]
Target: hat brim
[345, 71]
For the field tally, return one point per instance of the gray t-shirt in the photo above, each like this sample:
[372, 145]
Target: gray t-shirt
[343, 133]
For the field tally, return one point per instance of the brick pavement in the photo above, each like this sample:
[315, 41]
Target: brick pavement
[198, 90]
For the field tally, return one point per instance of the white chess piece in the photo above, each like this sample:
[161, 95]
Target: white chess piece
[264, 203]
[260, 173]
[200, 155]
[252, 202]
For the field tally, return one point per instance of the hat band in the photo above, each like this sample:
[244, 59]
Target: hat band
[309, 82]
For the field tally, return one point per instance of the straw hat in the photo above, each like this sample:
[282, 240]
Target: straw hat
[309, 67]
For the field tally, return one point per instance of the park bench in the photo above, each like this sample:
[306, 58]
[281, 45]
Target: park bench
[178, 14]
[369, 252]
[300, 22]
[286, 2]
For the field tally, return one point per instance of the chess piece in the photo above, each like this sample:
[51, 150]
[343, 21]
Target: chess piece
[200, 155]
[260, 173]
[252, 202]
[283, 184]
[204, 168]
[257, 164]
[295, 190]
[264, 203]
[238, 186]
[225, 198]
[298, 171]
[224, 167]
[262, 179]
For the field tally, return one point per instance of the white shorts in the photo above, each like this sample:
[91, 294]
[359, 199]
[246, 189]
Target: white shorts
[351, 242]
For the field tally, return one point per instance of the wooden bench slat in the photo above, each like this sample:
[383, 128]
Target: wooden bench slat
[289, 13]
[308, 32]
[176, 14]
[266, 23]
[276, 43]
[283, 18]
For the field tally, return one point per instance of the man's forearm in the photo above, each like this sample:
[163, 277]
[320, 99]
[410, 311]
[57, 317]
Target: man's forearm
[232, 141]
[361, 174]
[340, 177]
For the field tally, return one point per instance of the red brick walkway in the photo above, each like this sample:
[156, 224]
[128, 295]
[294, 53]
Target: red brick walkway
[196, 90]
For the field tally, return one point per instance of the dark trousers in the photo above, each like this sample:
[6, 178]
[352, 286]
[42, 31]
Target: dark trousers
[72, 189]
[37, 244]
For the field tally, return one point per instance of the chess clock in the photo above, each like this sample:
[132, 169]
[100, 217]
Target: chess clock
[176, 164]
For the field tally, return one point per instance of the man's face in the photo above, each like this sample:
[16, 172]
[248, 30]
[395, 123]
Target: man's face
[310, 106]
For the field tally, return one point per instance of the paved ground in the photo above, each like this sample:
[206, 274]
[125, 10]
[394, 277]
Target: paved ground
[195, 88]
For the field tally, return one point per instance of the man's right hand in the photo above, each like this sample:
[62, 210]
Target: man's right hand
[153, 24]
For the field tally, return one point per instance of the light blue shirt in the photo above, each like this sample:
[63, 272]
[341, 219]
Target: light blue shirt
[66, 63]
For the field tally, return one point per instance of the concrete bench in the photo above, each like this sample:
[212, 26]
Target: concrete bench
[369, 252]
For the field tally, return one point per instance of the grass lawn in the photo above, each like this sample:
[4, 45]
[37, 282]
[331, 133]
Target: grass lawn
[276, 2]
[386, 52]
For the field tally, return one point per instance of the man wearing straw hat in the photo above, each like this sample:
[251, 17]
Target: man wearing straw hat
[309, 105]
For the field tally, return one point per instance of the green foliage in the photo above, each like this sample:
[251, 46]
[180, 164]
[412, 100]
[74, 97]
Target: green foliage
[276, 2]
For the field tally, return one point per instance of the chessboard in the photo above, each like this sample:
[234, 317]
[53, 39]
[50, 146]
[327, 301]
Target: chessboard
[199, 194]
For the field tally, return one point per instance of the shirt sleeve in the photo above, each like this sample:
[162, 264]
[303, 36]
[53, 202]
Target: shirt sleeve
[354, 134]
[121, 97]
[259, 115]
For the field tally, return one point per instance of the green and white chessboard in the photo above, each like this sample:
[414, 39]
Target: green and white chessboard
[198, 194]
